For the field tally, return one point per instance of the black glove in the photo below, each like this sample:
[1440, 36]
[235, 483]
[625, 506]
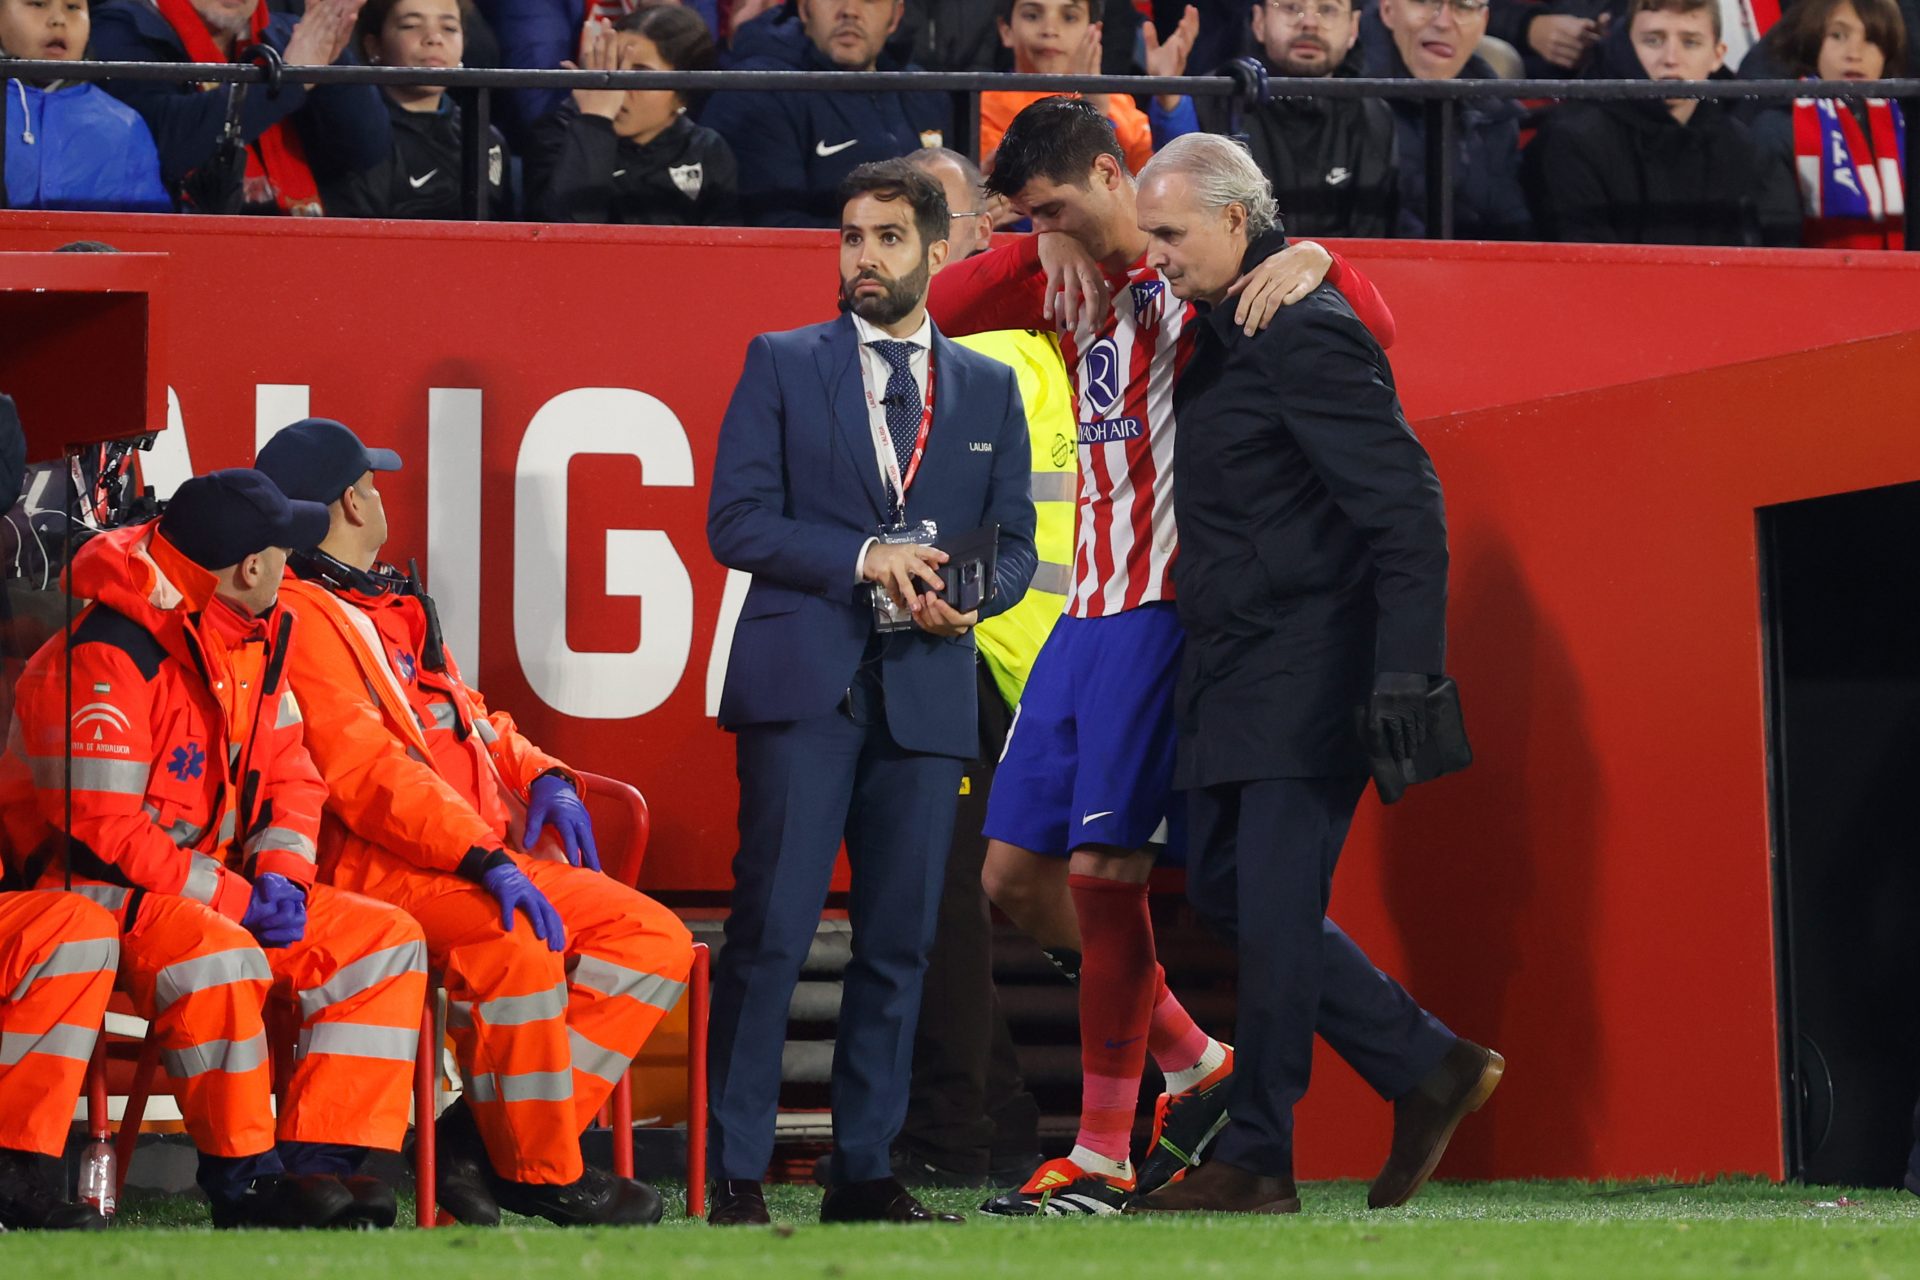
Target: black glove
[1397, 714]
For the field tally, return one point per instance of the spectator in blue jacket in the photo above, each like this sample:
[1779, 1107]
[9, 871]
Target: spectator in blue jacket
[1435, 40]
[794, 149]
[70, 145]
[290, 141]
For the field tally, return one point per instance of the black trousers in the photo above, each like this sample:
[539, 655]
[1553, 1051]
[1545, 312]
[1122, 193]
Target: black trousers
[1260, 872]
[968, 1104]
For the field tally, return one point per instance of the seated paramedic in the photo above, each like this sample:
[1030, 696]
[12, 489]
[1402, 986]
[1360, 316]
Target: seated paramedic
[555, 973]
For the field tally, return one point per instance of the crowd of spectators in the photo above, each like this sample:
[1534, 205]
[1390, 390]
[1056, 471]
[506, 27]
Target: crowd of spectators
[1681, 171]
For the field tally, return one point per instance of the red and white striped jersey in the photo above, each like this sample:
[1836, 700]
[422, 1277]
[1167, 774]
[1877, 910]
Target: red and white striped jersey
[1125, 542]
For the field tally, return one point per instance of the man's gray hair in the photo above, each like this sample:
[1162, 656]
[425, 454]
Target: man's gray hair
[1222, 173]
[925, 157]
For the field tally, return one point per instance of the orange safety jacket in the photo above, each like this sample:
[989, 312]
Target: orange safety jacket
[189, 774]
[415, 764]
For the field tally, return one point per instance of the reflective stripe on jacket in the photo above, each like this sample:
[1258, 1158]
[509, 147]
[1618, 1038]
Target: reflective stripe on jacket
[187, 766]
[383, 732]
[1010, 641]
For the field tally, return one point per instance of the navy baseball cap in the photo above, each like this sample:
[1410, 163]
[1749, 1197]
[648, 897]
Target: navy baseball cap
[316, 459]
[223, 517]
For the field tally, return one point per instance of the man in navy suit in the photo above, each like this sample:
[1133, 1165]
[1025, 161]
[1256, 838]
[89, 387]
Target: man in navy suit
[837, 435]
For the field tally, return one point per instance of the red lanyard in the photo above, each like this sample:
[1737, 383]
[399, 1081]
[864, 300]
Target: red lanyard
[897, 485]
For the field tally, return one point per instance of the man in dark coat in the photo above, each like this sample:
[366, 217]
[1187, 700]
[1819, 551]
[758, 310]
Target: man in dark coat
[1682, 171]
[794, 149]
[1334, 162]
[1422, 40]
[1313, 584]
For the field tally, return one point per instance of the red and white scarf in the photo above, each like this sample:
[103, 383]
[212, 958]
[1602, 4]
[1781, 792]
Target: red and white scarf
[1850, 178]
[277, 170]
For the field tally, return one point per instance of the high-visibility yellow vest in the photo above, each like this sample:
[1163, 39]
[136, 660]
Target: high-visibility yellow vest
[1010, 641]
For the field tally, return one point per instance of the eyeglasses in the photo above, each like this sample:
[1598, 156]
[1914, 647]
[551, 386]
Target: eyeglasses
[1294, 11]
[1466, 10]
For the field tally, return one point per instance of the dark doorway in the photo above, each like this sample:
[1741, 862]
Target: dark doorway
[1842, 602]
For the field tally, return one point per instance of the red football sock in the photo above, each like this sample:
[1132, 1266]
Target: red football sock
[1173, 1038]
[1117, 987]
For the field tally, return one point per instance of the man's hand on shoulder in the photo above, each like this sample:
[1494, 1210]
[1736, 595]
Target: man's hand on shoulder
[1280, 281]
[898, 567]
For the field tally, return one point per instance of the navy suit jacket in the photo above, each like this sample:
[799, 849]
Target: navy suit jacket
[796, 491]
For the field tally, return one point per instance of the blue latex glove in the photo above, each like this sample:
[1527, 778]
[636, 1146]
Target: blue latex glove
[277, 913]
[552, 799]
[510, 886]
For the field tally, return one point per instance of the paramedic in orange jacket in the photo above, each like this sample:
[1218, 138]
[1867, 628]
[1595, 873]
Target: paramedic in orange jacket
[555, 974]
[195, 813]
[58, 955]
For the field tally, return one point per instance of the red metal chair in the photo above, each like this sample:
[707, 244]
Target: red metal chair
[622, 825]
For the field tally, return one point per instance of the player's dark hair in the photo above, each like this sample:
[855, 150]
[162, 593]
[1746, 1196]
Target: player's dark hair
[1057, 139]
[898, 179]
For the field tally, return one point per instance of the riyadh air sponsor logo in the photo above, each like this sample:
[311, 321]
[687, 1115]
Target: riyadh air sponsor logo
[1108, 430]
[1100, 379]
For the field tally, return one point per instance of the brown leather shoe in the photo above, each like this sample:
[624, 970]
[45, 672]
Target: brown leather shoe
[881, 1200]
[737, 1203]
[1219, 1187]
[1425, 1119]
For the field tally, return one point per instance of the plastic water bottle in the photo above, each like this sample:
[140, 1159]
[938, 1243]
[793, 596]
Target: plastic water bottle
[100, 1176]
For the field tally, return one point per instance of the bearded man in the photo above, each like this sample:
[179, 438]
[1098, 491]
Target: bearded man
[851, 452]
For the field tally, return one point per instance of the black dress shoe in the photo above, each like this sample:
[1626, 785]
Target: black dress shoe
[881, 1200]
[374, 1204]
[28, 1201]
[289, 1201]
[737, 1203]
[594, 1199]
[462, 1174]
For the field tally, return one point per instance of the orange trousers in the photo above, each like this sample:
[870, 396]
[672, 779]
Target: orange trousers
[354, 986]
[542, 1036]
[58, 954]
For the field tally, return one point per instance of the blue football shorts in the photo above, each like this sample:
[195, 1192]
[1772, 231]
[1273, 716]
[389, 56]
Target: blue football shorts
[1089, 760]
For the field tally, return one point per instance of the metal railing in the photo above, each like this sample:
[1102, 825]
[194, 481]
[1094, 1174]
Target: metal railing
[472, 89]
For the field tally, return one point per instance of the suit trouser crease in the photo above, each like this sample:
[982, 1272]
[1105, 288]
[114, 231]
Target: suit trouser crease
[542, 1037]
[1263, 856]
[802, 784]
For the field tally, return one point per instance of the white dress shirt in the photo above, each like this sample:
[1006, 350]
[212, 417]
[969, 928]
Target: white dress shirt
[874, 374]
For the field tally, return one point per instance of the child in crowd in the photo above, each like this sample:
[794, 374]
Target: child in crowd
[1848, 155]
[421, 176]
[633, 155]
[1059, 37]
[69, 145]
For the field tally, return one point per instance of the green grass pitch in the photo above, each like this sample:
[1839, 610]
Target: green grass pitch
[1487, 1231]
